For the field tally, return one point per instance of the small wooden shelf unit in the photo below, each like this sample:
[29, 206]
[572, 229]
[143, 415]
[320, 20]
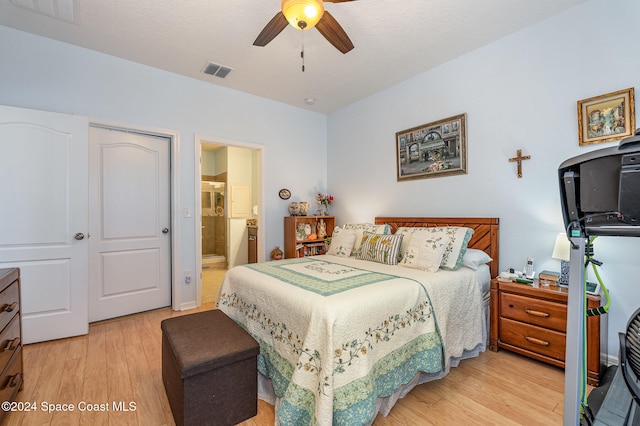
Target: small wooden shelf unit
[293, 247]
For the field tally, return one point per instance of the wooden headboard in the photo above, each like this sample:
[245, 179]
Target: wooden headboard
[485, 235]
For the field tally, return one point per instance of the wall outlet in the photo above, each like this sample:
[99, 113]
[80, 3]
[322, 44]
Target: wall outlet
[187, 277]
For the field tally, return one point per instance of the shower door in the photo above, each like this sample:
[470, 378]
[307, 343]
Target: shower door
[214, 227]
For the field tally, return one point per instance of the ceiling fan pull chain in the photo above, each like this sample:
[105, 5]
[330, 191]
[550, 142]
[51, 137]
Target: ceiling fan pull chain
[302, 51]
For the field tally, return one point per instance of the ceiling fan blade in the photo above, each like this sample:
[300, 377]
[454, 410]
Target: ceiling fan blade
[337, 1]
[333, 32]
[271, 30]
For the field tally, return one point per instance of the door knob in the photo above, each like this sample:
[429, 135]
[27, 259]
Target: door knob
[165, 231]
[79, 236]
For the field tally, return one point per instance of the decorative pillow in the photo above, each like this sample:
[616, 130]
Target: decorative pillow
[458, 239]
[406, 233]
[361, 228]
[425, 251]
[380, 248]
[342, 242]
[474, 258]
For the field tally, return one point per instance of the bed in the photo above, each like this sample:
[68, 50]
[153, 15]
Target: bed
[343, 337]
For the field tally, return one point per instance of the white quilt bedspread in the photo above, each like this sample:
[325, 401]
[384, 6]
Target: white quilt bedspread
[337, 333]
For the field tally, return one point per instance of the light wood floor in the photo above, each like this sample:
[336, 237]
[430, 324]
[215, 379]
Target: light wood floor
[211, 280]
[120, 361]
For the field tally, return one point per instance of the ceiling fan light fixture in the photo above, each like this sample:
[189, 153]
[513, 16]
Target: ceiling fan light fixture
[303, 14]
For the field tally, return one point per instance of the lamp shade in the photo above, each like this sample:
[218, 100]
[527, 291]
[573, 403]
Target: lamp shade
[561, 249]
[303, 14]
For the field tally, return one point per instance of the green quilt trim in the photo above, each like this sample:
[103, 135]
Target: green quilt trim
[278, 269]
[355, 403]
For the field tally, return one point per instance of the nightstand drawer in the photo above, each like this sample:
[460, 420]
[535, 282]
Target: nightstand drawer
[535, 339]
[543, 313]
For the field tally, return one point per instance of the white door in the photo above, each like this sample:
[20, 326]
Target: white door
[130, 243]
[43, 218]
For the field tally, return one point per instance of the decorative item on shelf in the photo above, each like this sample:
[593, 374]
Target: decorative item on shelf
[561, 251]
[322, 229]
[303, 208]
[294, 208]
[252, 222]
[276, 253]
[300, 234]
[324, 201]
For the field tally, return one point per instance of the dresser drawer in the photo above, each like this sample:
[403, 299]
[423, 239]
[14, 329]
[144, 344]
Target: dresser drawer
[9, 341]
[9, 303]
[535, 339]
[11, 380]
[543, 313]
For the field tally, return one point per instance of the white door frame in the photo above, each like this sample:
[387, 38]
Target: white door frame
[199, 139]
[174, 164]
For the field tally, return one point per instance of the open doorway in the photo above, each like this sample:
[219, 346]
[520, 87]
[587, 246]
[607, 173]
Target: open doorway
[228, 201]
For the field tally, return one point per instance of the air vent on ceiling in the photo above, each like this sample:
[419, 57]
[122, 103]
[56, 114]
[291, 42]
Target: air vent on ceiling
[64, 10]
[216, 70]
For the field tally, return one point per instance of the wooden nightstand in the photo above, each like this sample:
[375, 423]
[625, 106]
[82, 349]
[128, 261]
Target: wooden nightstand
[532, 321]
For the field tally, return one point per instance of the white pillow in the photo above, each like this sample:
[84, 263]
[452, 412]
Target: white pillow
[425, 251]
[361, 228]
[474, 258]
[342, 242]
[458, 239]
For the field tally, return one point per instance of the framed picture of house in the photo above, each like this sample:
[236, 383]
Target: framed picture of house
[606, 118]
[433, 150]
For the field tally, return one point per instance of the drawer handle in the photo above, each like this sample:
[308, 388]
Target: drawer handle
[12, 345]
[12, 381]
[536, 341]
[537, 313]
[10, 308]
[15, 380]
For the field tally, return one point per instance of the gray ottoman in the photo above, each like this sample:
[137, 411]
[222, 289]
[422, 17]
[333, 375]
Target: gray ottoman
[209, 369]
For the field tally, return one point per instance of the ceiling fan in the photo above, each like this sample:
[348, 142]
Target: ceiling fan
[304, 15]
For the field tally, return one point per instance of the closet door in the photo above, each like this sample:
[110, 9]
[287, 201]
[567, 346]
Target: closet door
[43, 218]
[129, 202]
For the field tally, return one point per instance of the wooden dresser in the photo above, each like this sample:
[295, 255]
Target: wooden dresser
[532, 321]
[11, 337]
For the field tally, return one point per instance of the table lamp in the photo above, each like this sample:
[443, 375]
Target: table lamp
[561, 251]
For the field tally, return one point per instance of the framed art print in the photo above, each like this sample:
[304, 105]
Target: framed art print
[606, 118]
[433, 149]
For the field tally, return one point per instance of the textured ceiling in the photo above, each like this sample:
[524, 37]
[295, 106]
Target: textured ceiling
[394, 40]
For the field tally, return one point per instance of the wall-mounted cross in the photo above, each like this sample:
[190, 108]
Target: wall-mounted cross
[519, 158]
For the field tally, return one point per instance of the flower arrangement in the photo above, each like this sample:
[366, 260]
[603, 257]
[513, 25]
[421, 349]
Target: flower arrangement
[325, 201]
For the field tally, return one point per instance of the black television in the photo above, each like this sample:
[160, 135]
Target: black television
[600, 191]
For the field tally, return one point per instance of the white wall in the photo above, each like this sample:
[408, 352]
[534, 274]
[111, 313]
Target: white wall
[519, 93]
[43, 74]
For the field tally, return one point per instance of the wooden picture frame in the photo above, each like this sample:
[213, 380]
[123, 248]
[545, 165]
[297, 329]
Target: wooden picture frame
[606, 118]
[433, 150]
